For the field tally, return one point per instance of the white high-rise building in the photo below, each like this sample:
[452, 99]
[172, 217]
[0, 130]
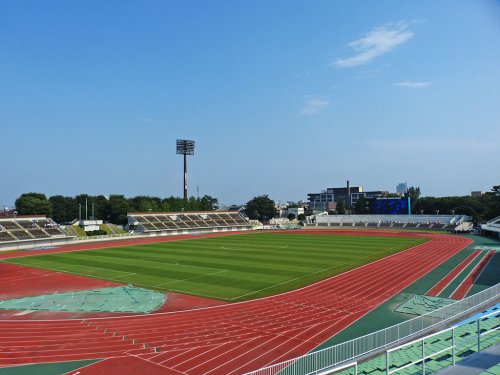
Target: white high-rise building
[401, 188]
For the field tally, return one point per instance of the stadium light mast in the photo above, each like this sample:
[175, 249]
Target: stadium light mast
[185, 147]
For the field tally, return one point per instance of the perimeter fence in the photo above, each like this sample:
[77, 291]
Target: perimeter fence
[321, 360]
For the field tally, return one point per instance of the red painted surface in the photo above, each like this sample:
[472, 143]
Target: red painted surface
[445, 281]
[468, 282]
[233, 338]
[124, 365]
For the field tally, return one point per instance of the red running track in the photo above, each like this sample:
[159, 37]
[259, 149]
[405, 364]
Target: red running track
[468, 282]
[230, 339]
[445, 281]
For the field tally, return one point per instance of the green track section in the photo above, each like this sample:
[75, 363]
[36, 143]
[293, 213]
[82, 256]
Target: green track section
[231, 268]
[455, 283]
[57, 368]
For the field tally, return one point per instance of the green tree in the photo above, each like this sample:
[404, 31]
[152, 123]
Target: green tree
[33, 204]
[340, 207]
[64, 209]
[119, 208]
[301, 217]
[496, 190]
[361, 206]
[260, 208]
[208, 203]
[291, 216]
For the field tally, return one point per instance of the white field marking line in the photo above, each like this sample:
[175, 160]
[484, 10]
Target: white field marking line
[248, 351]
[304, 341]
[65, 269]
[286, 303]
[191, 358]
[312, 273]
[250, 247]
[90, 364]
[275, 347]
[183, 265]
[447, 284]
[190, 278]
[25, 312]
[467, 276]
[217, 356]
[489, 260]
[166, 262]
[147, 360]
[285, 342]
[435, 237]
[126, 274]
[100, 268]
[181, 352]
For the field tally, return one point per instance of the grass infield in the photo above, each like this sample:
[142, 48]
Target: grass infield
[230, 268]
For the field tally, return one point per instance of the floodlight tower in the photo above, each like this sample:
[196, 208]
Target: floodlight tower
[185, 147]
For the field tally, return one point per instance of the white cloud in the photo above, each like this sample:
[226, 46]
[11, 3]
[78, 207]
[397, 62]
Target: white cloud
[413, 85]
[375, 43]
[314, 105]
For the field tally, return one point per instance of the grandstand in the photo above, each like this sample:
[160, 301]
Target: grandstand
[29, 228]
[434, 222]
[492, 226]
[173, 223]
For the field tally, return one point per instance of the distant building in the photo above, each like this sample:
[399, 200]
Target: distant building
[476, 193]
[295, 210]
[401, 188]
[326, 199]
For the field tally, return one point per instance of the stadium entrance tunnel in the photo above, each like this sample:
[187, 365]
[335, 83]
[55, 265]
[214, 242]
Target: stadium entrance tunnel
[127, 299]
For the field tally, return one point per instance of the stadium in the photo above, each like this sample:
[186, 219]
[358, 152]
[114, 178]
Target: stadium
[201, 293]
[343, 212]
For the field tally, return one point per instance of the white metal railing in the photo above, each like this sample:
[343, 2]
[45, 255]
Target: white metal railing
[315, 362]
[105, 236]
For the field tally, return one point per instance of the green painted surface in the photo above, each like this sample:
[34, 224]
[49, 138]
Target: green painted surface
[420, 305]
[115, 299]
[57, 368]
[230, 268]
[79, 231]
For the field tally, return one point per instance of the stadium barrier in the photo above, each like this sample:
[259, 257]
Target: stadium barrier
[325, 359]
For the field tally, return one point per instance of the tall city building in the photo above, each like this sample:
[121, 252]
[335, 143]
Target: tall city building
[401, 188]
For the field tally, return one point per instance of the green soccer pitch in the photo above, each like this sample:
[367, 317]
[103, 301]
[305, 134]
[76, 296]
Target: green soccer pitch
[229, 268]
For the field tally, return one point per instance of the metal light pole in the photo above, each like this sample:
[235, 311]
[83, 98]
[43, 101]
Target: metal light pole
[185, 147]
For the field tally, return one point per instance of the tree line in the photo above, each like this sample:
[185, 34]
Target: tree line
[113, 208]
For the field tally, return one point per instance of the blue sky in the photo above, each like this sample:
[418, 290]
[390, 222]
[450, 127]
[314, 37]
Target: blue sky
[282, 97]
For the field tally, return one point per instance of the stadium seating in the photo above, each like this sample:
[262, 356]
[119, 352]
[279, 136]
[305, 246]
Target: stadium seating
[439, 222]
[29, 228]
[186, 222]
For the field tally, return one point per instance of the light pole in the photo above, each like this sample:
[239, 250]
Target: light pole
[185, 147]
